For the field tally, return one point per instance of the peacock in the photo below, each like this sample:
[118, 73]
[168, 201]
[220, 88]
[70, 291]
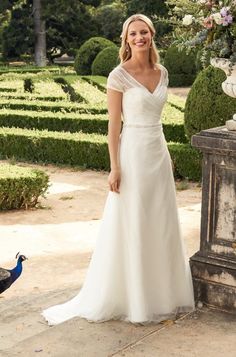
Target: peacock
[7, 277]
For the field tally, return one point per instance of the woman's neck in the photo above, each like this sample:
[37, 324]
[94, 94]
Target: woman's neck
[140, 61]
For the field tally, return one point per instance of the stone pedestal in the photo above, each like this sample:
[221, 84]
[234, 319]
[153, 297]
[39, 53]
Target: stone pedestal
[214, 265]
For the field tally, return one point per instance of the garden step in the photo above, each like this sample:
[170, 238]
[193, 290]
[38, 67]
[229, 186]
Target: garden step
[22, 315]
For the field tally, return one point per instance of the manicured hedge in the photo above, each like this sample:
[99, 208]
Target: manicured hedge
[28, 69]
[27, 96]
[57, 106]
[71, 122]
[2, 89]
[207, 106]
[87, 150]
[87, 53]
[66, 86]
[20, 187]
[100, 83]
[87, 123]
[175, 132]
[105, 61]
[187, 161]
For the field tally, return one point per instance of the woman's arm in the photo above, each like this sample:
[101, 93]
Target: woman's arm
[114, 102]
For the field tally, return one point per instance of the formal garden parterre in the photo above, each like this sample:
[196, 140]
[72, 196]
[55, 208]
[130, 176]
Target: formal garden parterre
[54, 124]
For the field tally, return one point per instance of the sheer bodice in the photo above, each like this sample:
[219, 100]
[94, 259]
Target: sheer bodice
[139, 105]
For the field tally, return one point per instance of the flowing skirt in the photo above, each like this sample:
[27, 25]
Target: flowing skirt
[139, 271]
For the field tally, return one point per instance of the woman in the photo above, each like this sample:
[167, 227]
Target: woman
[138, 271]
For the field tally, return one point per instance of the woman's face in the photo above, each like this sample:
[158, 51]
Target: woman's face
[139, 36]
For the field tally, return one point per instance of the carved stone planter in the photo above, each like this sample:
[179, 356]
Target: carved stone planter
[214, 265]
[229, 85]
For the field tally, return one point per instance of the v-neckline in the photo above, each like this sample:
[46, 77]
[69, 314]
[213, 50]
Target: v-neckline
[160, 79]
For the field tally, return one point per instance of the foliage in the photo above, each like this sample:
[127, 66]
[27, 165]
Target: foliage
[69, 24]
[66, 25]
[181, 67]
[207, 24]
[105, 61]
[28, 85]
[53, 106]
[109, 19]
[87, 150]
[73, 135]
[68, 122]
[20, 187]
[75, 122]
[67, 88]
[186, 160]
[207, 106]
[18, 36]
[87, 53]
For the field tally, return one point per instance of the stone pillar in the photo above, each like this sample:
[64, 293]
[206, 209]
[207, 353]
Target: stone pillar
[214, 265]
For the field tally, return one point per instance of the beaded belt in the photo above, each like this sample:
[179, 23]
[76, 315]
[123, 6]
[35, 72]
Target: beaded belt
[142, 125]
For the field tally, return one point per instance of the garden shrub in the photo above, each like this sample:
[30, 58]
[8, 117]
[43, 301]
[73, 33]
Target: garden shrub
[57, 106]
[75, 122]
[87, 150]
[30, 96]
[20, 187]
[181, 67]
[67, 88]
[207, 106]
[87, 53]
[105, 61]
[186, 160]
[97, 81]
[28, 85]
[71, 122]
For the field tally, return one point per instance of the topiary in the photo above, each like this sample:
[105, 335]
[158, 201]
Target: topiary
[87, 53]
[181, 67]
[207, 106]
[105, 61]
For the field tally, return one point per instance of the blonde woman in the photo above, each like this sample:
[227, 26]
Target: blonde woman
[139, 271]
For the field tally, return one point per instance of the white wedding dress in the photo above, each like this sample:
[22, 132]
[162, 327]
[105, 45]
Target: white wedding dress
[139, 271]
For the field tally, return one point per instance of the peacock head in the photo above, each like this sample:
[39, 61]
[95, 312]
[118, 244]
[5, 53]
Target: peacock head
[20, 257]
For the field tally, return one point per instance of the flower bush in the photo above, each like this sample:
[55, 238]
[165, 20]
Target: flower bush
[209, 25]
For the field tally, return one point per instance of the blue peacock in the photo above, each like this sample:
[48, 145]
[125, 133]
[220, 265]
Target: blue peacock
[7, 277]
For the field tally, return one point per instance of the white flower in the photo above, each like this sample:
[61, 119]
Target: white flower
[187, 20]
[203, 1]
[217, 18]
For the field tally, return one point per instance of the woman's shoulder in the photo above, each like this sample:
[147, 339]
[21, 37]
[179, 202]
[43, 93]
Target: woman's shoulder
[115, 80]
[162, 68]
[116, 71]
[165, 73]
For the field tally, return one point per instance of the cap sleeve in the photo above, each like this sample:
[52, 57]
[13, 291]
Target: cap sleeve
[165, 74]
[114, 81]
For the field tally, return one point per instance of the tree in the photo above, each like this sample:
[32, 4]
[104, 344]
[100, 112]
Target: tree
[66, 24]
[109, 18]
[40, 35]
[18, 35]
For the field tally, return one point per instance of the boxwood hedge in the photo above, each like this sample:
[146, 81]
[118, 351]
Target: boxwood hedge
[88, 150]
[20, 187]
[74, 122]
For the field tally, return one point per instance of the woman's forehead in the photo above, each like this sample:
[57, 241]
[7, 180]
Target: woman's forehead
[138, 25]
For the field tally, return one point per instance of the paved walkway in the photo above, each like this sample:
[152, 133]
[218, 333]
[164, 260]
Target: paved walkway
[59, 240]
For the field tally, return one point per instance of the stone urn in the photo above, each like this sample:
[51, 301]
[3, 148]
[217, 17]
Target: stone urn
[229, 85]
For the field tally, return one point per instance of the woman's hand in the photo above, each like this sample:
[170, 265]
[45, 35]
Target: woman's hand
[114, 180]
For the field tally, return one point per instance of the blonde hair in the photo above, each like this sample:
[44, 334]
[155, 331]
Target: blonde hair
[125, 51]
